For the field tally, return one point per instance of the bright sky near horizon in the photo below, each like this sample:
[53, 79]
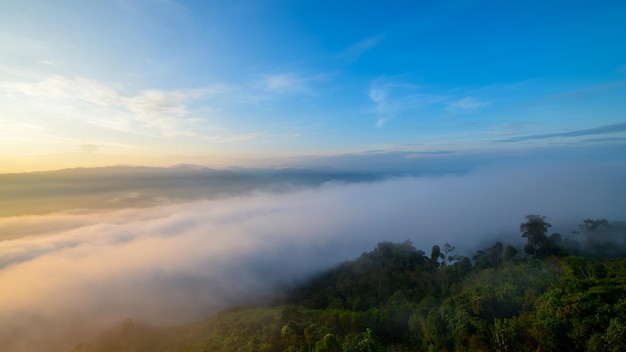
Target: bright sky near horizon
[161, 82]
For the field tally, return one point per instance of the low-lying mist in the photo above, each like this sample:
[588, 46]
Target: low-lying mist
[67, 276]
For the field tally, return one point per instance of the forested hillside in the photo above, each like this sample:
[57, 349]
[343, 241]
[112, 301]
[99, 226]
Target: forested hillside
[554, 294]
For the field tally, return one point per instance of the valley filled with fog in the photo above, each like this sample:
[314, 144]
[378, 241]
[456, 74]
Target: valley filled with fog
[244, 175]
[68, 273]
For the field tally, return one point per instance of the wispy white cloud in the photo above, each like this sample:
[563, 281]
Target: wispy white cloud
[51, 63]
[395, 98]
[379, 97]
[14, 133]
[354, 51]
[251, 136]
[56, 86]
[42, 141]
[281, 82]
[235, 138]
[162, 111]
[290, 82]
[511, 128]
[466, 104]
[577, 95]
[165, 111]
[618, 128]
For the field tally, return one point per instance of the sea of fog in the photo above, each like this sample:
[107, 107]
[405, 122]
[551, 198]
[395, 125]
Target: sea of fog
[67, 274]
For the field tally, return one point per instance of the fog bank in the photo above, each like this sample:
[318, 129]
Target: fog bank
[67, 276]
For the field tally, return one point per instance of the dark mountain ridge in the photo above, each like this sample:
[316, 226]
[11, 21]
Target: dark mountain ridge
[137, 186]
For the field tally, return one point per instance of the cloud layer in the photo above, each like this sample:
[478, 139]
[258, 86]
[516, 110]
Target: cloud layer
[158, 111]
[601, 130]
[65, 277]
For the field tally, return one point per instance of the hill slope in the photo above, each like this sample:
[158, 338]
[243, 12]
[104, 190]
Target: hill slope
[395, 298]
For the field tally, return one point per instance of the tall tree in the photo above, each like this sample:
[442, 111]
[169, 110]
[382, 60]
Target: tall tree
[447, 248]
[534, 230]
[496, 253]
[435, 255]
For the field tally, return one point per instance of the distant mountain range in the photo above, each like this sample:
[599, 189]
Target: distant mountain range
[132, 186]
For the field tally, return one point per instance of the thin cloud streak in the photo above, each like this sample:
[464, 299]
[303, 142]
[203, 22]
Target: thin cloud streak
[467, 104]
[392, 99]
[608, 129]
[291, 82]
[575, 96]
[356, 50]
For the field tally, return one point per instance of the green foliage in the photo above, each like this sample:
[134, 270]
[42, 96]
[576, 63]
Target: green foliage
[534, 230]
[392, 271]
[329, 343]
[583, 310]
[509, 253]
[395, 298]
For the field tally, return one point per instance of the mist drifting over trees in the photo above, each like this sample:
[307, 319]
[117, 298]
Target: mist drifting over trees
[81, 270]
[244, 175]
[397, 298]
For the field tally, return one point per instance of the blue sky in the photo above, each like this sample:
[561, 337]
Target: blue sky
[220, 83]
